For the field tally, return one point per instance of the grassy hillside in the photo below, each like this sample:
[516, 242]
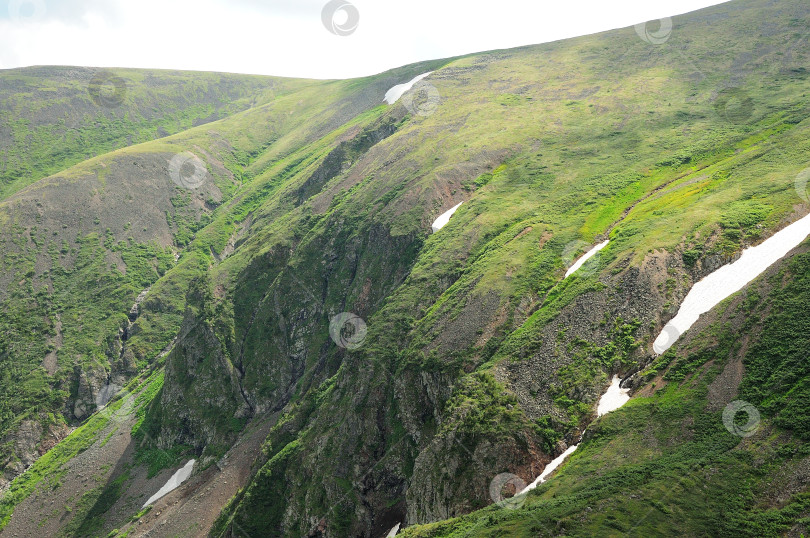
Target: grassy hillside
[80, 246]
[480, 358]
[673, 461]
[54, 117]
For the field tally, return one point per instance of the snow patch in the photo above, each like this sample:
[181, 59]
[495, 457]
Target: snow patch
[590, 254]
[556, 462]
[730, 279]
[444, 218]
[393, 95]
[174, 482]
[612, 399]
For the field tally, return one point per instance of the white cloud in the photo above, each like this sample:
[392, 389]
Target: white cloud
[287, 37]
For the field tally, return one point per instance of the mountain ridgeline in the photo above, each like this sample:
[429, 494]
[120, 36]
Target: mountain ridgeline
[241, 271]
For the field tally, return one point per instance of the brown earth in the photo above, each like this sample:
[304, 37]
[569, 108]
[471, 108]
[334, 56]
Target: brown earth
[191, 509]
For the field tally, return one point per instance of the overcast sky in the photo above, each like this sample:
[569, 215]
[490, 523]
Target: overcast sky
[293, 37]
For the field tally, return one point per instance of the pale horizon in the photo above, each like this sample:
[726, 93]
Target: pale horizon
[290, 38]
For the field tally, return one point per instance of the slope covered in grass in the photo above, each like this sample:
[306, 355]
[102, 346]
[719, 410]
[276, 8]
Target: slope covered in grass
[55, 117]
[480, 357]
[80, 246]
[674, 461]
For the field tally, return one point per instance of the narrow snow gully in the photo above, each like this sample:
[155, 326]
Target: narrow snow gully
[444, 218]
[612, 399]
[393, 95]
[590, 254]
[173, 483]
[730, 279]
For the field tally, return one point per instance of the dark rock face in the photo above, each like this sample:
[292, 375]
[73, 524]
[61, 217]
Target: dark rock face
[30, 440]
[91, 383]
[449, 479]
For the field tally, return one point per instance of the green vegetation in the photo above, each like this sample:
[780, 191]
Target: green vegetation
[48, 470]
[481, 407]
[675, 172]
[51, 122]
[87, 300]
[320, 202]
[666, 463]
[93, 504]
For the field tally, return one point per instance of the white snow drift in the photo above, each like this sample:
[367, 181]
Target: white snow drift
[174, 482]
[590, 254]
[730, 279]
[612, 399]
[444, 218]
[393, 95]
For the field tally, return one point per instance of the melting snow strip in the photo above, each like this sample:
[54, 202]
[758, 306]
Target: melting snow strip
[580, 262]
[444, 218]
[174, 482]
[730, 279]
[556, 462]
[393, 95]
[612, 399]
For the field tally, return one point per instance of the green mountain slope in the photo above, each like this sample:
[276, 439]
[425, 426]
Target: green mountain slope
[54, 117]
[672, 462]
[480, 357]
[79, 247]
[483, 358]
